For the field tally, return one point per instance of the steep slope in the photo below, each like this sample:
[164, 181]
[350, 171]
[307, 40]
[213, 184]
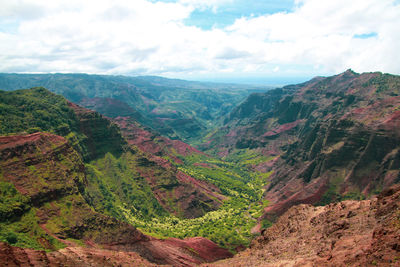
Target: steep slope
[325, 140]
[175, 108]
[192, 197]
[42, 207]
[52, 202]
[349, 233]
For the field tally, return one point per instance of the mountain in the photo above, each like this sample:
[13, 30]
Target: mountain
[175, 108]
[348, 233]
[326, 140]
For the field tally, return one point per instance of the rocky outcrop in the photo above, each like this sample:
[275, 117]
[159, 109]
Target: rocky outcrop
[348, 233]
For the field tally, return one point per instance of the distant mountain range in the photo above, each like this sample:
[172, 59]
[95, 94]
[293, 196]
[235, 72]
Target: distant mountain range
[176, 108]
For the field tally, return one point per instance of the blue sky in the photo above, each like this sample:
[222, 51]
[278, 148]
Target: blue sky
[226, 14]
[251, 41]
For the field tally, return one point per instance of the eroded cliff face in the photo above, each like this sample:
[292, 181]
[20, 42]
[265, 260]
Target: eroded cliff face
[326, 140]
[46, 210]
[157, 161]
[100, 135]
[348, 233]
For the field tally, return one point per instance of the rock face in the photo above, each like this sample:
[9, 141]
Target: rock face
[57, 168]
[50, 176]
[348, 233]
[50, 173]
[39, 110]
[331, 138]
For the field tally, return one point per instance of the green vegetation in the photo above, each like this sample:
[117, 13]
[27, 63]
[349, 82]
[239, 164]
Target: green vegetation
[12, 203]
[115, 185]
[117, 188]
[229, 226]
[39, 110]
[18, 221]
[191, 108]
[35, 110]
[247, 157]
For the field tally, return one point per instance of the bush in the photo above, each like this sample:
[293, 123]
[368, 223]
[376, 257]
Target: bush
[11, 238]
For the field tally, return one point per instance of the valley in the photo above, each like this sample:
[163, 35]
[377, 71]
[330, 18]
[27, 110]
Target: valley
[152, 171]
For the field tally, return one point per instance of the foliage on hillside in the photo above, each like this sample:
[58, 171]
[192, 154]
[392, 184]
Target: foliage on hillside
[35, 110]
[114, 186]
[117, 188]
[38, 110]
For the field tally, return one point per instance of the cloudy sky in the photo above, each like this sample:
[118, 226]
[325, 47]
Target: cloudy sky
[226, 40]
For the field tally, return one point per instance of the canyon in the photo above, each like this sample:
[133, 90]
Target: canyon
[302, 175]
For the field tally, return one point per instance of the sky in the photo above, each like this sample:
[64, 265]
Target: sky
[249, 41]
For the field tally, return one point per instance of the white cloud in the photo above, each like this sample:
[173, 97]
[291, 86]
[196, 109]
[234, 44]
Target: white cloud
[143, 37]
[321, 33]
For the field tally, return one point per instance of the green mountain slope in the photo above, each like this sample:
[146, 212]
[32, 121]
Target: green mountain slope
[37, 110]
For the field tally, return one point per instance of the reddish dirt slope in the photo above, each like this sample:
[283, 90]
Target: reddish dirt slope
[349, 233]
[175, 252]
[70, 256]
